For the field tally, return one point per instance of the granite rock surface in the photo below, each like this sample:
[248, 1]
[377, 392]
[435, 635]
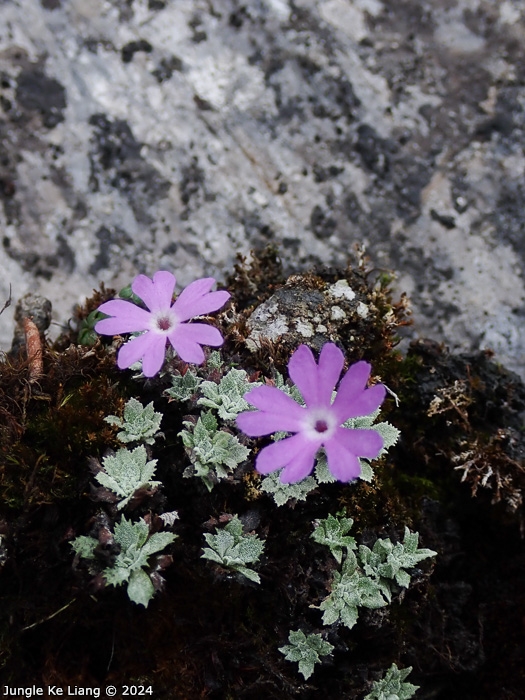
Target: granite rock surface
[145, 134]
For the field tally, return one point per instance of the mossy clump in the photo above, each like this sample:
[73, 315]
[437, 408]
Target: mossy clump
[210, 631]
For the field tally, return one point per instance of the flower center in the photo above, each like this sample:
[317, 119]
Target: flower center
[164, 323]
[320, 424]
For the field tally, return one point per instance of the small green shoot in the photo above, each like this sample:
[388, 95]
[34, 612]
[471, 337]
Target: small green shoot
[183, 386]
[350, 591]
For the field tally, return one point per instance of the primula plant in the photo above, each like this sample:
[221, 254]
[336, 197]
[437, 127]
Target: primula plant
[126, 472]
[139, 423]
[233, 549]
[393, 561]
[227, 397]
[351, 590]
[136, 547]
[393, 686]
[306, 650]
[369, 579]
[320, 422]
[212, 452]
[163, 321]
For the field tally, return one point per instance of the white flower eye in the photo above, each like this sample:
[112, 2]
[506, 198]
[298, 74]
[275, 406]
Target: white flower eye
[319, 424]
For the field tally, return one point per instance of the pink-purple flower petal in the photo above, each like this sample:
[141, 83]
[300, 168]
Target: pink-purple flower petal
[201, 333]
[257, 423]
[154, 357]
[156, 293]
[196, 299]
[300, 466]
[353, 382]
[362, 405]
[187, 339]
[137, 348]
[363, 442]
[331, 361]
[302, 369]
[278, 454]
[126, 318]
[269, 398]
[342, 464]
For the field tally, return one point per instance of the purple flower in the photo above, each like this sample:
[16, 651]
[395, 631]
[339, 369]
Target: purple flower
[319, 423]
[164, 321]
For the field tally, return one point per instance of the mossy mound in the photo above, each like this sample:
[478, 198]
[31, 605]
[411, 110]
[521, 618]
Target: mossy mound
[456, 476]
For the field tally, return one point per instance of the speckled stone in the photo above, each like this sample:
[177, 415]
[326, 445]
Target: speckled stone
[310, 316]
[173, 134]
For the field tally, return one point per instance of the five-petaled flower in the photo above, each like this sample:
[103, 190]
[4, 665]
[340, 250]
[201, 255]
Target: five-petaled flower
[318, 423]
[165, 321]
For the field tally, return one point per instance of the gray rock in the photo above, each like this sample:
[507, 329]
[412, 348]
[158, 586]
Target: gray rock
[159, 134]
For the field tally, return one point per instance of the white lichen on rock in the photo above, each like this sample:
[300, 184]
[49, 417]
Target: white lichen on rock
[341, 290]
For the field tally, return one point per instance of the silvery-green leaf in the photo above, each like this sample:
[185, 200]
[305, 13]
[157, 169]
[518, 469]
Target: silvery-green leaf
[227, 397]
[367, 473]
[84, 546]
[282, 493]
[140, 588]
[321, 471]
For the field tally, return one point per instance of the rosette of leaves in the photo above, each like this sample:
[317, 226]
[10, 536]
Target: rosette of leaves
[351, 589]
[138, 424]
[233, 549]
[333, 533]
[393, 686]
[306, 650]
[226, 397]
[126, 472]
[136, 547]
[392, 561]
[184, 386]
[212, 451]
